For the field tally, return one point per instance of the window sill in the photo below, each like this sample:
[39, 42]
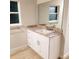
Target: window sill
[15, 26]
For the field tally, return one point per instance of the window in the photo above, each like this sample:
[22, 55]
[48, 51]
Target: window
[14, 13]
[53, 13]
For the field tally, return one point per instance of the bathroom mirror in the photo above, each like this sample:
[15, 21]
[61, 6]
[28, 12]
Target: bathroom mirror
[53, 14]
[50, 12]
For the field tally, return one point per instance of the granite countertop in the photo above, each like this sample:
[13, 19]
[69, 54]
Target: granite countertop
[41, 29]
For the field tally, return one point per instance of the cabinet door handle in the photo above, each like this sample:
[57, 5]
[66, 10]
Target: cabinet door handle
[38, 42]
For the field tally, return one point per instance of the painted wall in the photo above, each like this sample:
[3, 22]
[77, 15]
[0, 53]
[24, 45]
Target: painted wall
[17, 38]
[64, 50]
[28, 17]
[28, 12]
[65, 27]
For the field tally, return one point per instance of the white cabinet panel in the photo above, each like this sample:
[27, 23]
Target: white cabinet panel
[33, 41]
[43, 42]
[54, 47]
[46, 47]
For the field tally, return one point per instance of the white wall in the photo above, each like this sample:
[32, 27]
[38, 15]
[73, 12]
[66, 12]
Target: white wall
[28, 12]
[66, 48]
[17, 38]
[65, 27]
[28, 17]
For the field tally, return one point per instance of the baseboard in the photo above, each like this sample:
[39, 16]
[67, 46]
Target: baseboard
[18, 49]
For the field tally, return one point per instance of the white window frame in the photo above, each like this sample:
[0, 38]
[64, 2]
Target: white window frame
[20, 23]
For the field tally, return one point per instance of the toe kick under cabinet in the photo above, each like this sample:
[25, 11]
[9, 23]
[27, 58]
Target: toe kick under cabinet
[46, 47]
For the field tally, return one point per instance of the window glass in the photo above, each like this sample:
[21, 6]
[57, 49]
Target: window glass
[14, 18]
[53, 13]
[51, 9]
[52, 17]
[13, 6]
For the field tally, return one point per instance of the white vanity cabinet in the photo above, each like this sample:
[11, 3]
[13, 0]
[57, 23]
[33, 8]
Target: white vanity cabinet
[46, 47]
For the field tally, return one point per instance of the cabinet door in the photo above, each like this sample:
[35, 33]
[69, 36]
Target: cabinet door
[44, 43]
[29, 39]
[33, 41]
[38, 43]
[54, 47]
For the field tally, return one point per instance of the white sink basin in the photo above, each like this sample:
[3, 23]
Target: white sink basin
[43, 31]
